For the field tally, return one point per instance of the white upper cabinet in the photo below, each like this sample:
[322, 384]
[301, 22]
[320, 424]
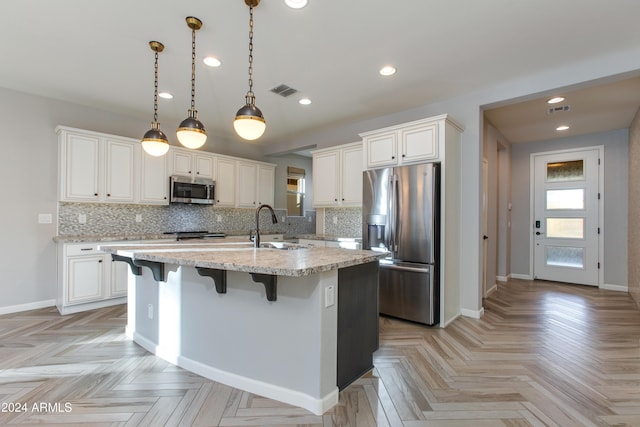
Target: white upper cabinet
[225, 182]
[195, 165]
[337, 176]
[154, 180]
[255, 184]
[119, 176]
[95, 167]
[407, 143]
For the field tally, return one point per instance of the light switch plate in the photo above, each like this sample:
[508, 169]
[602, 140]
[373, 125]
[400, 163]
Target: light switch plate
[82, 218]
[45, 218]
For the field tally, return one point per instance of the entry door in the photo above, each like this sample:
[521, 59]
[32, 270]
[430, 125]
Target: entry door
[566, 227]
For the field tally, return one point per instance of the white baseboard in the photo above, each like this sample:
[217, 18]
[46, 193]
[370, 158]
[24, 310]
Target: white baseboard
[476, 314]
[448, 322]
[615, 288]
[521, 276]
[25, 307]
[491, 290]
[316, 405]
[503, 278]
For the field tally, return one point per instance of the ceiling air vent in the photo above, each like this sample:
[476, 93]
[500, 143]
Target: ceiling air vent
[283, 90]
[559, 109]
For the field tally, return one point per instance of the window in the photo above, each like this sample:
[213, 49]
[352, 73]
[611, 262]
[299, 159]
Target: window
[295, 191]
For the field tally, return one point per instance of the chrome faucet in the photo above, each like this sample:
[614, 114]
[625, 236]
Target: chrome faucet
[274, 220]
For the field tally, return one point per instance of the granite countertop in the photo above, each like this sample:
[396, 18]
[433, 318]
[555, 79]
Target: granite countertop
[239, 255]
[329, 237]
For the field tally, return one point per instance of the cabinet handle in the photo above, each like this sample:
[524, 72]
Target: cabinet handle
[335, 200]
[108, 194]
[393, 157]
[197, 173]
[343, 199]
[99, 260]
[403, 155]
[165, 197]
[95, 194]
[86, 249]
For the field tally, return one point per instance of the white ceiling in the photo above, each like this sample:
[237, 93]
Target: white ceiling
[96, 53]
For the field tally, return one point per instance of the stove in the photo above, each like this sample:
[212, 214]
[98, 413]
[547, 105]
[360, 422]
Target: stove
[183, 235]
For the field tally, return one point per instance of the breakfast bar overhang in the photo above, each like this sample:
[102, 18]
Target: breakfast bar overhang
[292, 325]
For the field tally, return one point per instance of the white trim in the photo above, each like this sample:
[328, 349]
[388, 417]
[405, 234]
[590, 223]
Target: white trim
[476, 314]
[503, 278]
[447, 323]
[271, 391]
[77, 308]
[521, 276]
[618, 288]
[532, 156]
[491, 290]
[25, 307]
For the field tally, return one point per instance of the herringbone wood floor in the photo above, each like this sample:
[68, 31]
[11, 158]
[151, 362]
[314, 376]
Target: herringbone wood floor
[543, 354]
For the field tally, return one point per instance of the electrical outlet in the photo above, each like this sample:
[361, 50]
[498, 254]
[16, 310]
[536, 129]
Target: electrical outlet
[82, 218]
[329, 296]
[138, 218]
[310, 219]
[335, 219]
[150, 311]
[219, 218]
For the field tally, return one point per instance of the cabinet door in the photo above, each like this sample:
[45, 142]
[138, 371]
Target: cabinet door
[204, 166]
[266, 184]
[120, 171]
[225, 182]
[382, 150]
[326, 178]
[181, 163]
[352, 176]
[80, 168]
[247, 178]
[154, 182]
[419, 142]
[119, 277]
[85, 275]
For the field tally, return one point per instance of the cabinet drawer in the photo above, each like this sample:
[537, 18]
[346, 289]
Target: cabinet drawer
[82, 249]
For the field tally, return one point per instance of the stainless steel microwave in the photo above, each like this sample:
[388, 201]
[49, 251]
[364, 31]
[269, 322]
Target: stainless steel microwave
[184, 189]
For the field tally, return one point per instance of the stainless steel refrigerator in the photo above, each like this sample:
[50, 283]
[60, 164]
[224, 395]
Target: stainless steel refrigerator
[401, 215]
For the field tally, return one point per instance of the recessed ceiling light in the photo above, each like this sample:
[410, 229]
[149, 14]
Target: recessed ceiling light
[304, 101]
[387, 70]
[212, 61]
[296, 4]
[563, 127]
[165, 95]
[555, 100]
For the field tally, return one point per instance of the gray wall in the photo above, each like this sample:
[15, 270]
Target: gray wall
[616, 152]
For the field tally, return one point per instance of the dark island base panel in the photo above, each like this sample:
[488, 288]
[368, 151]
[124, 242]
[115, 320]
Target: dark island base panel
[357, 321]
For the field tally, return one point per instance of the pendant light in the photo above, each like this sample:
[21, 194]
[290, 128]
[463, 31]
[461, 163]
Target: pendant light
[191, 131]
[249, 122]
[155, 142]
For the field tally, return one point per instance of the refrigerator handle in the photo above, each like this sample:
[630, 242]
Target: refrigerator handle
[394, 214]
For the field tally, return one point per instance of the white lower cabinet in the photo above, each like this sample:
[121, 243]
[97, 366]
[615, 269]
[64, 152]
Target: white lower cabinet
[88, 279]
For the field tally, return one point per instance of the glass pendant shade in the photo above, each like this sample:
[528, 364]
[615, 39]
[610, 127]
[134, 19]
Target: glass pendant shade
[154, 141]
[249, 122]
[191, 132]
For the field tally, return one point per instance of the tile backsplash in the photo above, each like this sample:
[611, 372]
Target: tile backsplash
[345, 222]
[120, 219]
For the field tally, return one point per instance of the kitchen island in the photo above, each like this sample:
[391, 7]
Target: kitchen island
[290, 323]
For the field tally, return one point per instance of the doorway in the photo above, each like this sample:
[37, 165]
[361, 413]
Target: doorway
[566, 211]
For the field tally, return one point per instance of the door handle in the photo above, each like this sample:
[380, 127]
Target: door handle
[538, 233]
[485, 237]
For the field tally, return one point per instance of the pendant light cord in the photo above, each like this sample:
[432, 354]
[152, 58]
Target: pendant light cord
[193, 68]
[250, 94]
[155, 91]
